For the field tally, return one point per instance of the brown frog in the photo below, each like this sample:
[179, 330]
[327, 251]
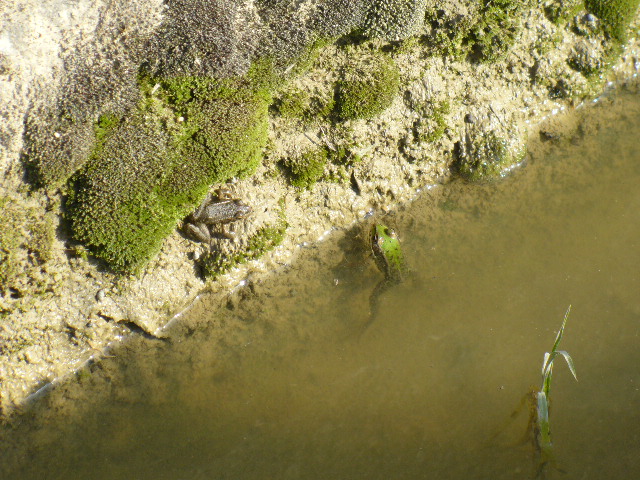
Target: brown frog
[218, 210]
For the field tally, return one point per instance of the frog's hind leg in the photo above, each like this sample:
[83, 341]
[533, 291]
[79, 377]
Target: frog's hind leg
[198, 212]
[199, 232]
[374, 301]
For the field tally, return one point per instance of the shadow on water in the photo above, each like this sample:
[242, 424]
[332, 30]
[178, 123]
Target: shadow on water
[279, 383]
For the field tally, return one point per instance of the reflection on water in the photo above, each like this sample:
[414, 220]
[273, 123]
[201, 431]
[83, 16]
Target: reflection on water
[280, 382]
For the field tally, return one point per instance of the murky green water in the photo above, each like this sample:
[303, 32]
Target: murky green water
[281, 382]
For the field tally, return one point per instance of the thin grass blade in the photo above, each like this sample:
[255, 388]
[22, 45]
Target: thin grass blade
[561, 331]
[569, 360]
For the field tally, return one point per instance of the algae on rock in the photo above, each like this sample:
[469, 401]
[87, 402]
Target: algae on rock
[616, 15]
[484, 155]
[367, 89]
[157, 164]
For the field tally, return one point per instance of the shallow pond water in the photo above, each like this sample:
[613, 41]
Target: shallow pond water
[283, 381]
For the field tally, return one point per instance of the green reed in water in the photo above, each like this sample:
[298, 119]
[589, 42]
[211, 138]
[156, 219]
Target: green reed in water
[542, 429]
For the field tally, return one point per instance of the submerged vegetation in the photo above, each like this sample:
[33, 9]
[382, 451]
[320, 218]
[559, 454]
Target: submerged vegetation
[542, 430]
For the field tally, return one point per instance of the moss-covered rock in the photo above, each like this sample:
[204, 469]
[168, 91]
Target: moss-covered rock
[449, 33]
[367, 89]
[306, 169]
[560, 11]
[435, 123]
[151, 168]
[486, 155]
[394, 19]
[616, 15]
[498, 25]
[293, 103]
[485, 34]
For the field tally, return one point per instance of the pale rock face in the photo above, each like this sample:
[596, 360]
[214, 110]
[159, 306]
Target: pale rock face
[64, 65]
[394, 19]
[61, 63]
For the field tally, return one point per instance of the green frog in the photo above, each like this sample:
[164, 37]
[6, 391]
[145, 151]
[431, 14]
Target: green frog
[387, 252]
[388, 256]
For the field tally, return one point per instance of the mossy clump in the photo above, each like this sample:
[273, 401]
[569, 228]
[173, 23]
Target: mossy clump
[486, 157]
[498, 26]
[437, 121]
[265, 239]
[306, 169]
[448, 36]
[616, 15]
[293, 103]
[151, 168]
[394, 19]
[560, 11]
[368, 89]
[486, 36]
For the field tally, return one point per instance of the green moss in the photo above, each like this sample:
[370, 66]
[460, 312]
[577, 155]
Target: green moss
[560, 11]
[10, 241]
[485, 37]
[156, 165]
[616, 15]
[368, 89]
[320, 107]
[305, 170]
[344, 154]
[448, 37]
[267, 238]
[487, 156]
[308, 56]
[498, 26]
[43, 235]
[293, 103]
[439, 120]
[105, 126]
